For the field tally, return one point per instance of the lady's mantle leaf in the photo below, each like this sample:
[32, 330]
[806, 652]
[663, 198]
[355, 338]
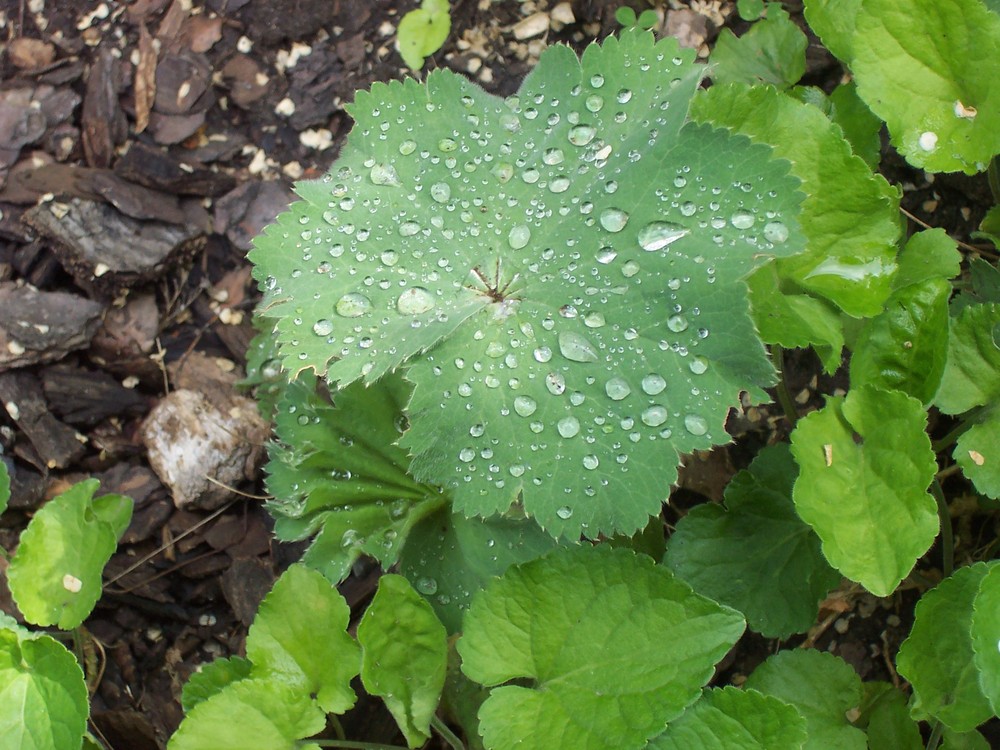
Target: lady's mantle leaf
[865, 463]
[756, 555]
[404, 656]
[733, 718]
[299, 635]
[561, 271]
[929, 69]
[55, 577]
[834, 22]
[985, 632]
[822, 687]
[611, 645]
[772, 51]
[43, 697]
[938, 658]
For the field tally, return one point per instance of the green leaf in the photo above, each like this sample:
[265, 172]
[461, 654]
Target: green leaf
[861, 127]
[533, 315]
[263, 714]
[43, 696]
[941, 100]
[905, 347]
[930, 254]
[732, 719]
[983, 286]
[938, 658]
[211, 678]
[404, 656]
[963, 740]
[849, 217]
[972, 375]
[462, 699]
[756, 555]
[978, 452]
[985, 635]
[299, 635]
[822, 687]
[603, 646]
[448, 557]
[834, 22]
[750, 10]
[772, 51]
[55, 576]
[264, 372]
[865, 463]
[343, 476]
[890, 726]
[422, 31]
[625, 16]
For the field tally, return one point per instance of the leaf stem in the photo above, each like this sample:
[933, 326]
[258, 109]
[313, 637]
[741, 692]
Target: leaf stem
[947, 534]
[446, 733]
[935, 739]
[966, 422]
[351, 745]
[993, 177]
[784, 395]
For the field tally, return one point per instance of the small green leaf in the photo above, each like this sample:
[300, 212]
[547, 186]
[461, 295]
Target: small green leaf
[299, 635]
[930, 254]
[43, 697]
[938, 657]
[211, 678]
[448, 557]
[850, 216]
[940, 100]
[55, 576]
[647, 19]
[422, 32]
[865, 463]
[750, 10]
[972, 375]
[890, 726]
[625, 16]
[905, 347]
[834, 23]
[404, 655]
[611, 645]
[822, 687]
[756, 555]
[983, 286]
[772, 51]
[732, 718]
[978, 452]
[263, 714]
[985, 634]
[862, 128]
[964, 740]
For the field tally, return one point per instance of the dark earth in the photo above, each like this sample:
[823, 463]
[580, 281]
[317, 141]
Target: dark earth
[142, 145]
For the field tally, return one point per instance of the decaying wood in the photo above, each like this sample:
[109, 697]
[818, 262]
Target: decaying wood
[57, 444]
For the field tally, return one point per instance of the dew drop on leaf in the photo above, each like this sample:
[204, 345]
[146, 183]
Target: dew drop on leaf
[323, 327]
[653, 384]
[698, 365]
[695, 425]
[466, 455]
[613, 219]
[677, 323]
[525, 406]
[617, 389]
[568, 427]
[353, 305]
[595, 103]
[576, 348]
[542, 354]
[658, 234]
[384, 174]
[630, 269]
[555, 383]
[519, 237]
[414, 301]
[654, 416]
[624, 96]
[581, 135]
[742, 219]
[553, 156]
[441, 192]
[597, 80]
[427, 586]
[606, 254]
[407, 147]
[590, 461]
[565, 513]
[776, 232]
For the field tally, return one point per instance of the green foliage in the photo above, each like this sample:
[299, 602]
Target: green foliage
[542, 620]
[756, 555]
[773, 51]
[423, 31]
[211, 678]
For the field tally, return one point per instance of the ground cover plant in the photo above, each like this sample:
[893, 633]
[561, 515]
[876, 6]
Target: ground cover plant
[491, 331]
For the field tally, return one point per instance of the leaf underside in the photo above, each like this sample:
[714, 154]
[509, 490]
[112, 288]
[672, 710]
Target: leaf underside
[560, 273]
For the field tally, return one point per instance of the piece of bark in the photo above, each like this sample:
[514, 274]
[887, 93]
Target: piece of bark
[157, 169]
[58, 444]
[20, 122]
[136, 201]
[199, 372]
[181, 81]
[244, 212]
[104, 125]
[145, 79]
[106, 251]
[84, 397]
[30, 54]
[43, 326]
[245, 585]
[35, 264]
[245, 80]
[171, 129]
[125, 341]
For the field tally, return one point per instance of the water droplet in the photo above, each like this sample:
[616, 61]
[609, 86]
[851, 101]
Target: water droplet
[568, 427]
[384, 174]
[477, 430]
[677, 323]
[617, 389]
[525, 406]
[695, 425]
[555, 383]
[519, 237]
[658, 234]
[594, 320]
[414, 301]
[553, 156]
[407, 147]
[542, 354]
[516, 470]
[581, 135]
[654, 416]
[590, 461]
[565, 512]
[466, 455]
[576, 348]
[630, 269]
[426, 586]
[624, 95]
[559, 184]
[613, 219]
[323, 327]
[698, 365]
[447, 145]
[597, 80]
[408, 228]
[606, 254]
[353, 306]
[594, 103]
[441, 192]
[775, 232]
[742, 219]
[653, 384]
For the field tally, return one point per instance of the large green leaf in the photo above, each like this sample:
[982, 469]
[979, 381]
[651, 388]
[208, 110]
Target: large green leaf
[732, 719]
[865, 465]
[822, 687]
[985, 634]
[938, 657]
[55, 577]
[834, 22]
[849, 217]
[212, 678]
[448, 557]
[592, 648]
[889, 724]
[43, 697]
[299, 637]
[756, 555]
[545, 266]
[930, 254]
[772, 51]
[342, 475]
[929, 69]
[404, 655]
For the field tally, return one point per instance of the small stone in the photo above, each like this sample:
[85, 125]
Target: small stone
[533, 25]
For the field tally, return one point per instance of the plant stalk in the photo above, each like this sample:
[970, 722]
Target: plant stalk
[446, 734]
[935, 739]
[784, 395]
[351, 745]
[964, 424]
[947, 534]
